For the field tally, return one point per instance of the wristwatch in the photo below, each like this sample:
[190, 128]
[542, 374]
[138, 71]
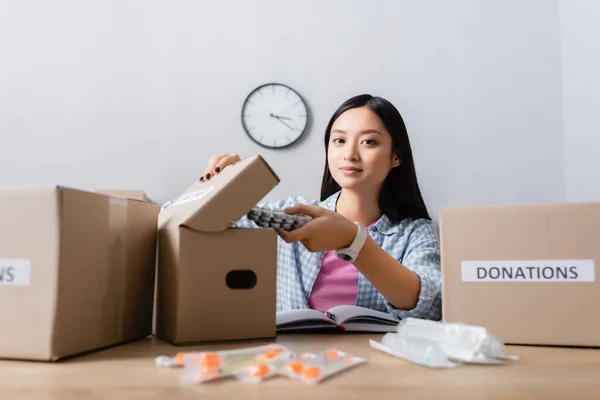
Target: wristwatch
[350, 253]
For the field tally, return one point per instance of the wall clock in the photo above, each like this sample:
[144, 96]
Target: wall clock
[274, 116]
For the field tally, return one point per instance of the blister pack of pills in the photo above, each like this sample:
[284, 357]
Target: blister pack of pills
[314, 368]
[222, 357]
[249, 364]
[256, 364]
[276, 218]
[263, 370]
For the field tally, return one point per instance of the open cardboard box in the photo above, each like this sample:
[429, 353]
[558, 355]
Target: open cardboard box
[216, 282]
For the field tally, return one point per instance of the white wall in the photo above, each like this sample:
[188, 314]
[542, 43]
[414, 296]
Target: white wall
[580, 39]
[139, 94]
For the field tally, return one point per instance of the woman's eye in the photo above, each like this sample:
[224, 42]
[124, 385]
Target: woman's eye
[338, 140]
[370, 142]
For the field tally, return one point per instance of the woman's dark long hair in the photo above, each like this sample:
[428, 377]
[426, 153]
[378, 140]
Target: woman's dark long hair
[400, 197]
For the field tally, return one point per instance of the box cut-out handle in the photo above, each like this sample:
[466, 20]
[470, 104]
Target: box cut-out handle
[240, 279]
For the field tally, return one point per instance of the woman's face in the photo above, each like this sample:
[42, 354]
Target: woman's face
[360, 150]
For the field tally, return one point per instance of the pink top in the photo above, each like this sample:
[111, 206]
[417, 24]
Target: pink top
[336, 284]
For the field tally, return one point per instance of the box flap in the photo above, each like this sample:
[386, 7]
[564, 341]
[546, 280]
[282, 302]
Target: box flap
[126, 194]
[214, 205]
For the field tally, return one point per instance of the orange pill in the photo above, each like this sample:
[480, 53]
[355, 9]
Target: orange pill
[180, 356]
[272, 353]
[332, 354]
[210, 363]
[295, 366]
[208, 356]
[311, 372]
[258, 370]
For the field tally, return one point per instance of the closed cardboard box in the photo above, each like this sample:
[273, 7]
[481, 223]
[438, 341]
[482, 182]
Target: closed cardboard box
[528, 273]
[216, 282]
[76, 268]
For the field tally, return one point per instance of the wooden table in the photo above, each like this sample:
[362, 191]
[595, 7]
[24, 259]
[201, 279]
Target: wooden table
[129, 372]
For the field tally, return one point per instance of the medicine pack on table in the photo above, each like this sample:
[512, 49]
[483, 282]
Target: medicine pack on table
[314, 368]
[442, 345]
[256, 364]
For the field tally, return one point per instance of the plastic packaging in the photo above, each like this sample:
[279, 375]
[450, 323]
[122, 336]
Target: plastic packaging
[175, 362]
[460, 342]
[419, 351]
[264, 370]
[276, 218]
[254, 363]
[314, 368]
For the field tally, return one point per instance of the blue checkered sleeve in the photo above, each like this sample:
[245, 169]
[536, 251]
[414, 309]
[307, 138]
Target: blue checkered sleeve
[422, 256]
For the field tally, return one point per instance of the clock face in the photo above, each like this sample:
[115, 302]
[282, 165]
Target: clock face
[274, 115]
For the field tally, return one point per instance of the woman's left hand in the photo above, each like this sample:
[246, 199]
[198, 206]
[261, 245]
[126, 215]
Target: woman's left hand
[327, 230]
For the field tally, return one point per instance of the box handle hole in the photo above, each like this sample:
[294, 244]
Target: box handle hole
[241, 279]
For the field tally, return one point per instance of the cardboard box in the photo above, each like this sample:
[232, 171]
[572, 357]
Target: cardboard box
[76, 271]
[216, 282]
[528, 273]
[127, 194]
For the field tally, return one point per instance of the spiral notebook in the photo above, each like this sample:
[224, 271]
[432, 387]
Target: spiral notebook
[346, 318]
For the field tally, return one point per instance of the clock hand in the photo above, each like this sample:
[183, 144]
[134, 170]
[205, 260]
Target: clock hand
[283, 122]
[280, 117]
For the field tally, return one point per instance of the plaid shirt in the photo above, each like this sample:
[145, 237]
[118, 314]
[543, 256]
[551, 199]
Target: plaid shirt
[414, 243]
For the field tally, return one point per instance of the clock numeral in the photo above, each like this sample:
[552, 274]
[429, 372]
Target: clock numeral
[288, 138]
[261, 138]
[298, 102]
[273, 88]
[250, 128]
[286, 93]
[274, 142]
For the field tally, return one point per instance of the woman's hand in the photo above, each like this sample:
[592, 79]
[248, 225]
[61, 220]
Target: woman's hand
[327, 230]
[216, 165]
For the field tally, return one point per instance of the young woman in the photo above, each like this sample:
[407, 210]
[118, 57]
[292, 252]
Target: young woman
[370, 241]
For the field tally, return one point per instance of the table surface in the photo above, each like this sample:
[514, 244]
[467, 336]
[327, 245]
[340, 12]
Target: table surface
[129, 372]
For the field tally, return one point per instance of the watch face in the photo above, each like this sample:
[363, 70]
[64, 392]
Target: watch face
[274, 116]
[342, 255]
